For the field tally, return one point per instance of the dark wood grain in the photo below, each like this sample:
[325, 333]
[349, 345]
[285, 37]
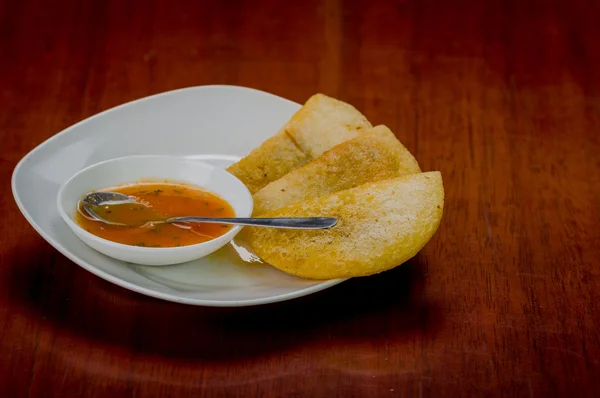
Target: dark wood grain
[502, 96]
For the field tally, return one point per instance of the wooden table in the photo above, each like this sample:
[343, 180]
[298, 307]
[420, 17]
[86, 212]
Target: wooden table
[503, 97]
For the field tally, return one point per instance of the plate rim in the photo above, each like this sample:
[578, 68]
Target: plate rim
[131, 286]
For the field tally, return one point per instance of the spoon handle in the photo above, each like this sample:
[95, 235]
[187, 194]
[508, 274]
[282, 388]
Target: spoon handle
[292, 223]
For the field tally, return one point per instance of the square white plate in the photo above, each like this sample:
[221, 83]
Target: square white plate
[217, 124]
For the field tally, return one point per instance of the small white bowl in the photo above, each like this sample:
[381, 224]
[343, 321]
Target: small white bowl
[133, 169]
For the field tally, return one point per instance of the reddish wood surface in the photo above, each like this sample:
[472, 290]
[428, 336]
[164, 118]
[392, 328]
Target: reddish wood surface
[502, 96]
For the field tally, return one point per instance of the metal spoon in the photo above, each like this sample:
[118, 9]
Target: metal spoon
[97, 205]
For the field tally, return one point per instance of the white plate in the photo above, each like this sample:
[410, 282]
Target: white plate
[216, 124]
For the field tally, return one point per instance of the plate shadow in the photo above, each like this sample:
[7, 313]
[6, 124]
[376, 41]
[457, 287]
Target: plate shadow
[387, 307]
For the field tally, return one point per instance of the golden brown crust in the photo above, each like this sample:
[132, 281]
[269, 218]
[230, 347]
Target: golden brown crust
[273, 159]
[324, 122]
[380, 225]
[319, 125]
[375, 155]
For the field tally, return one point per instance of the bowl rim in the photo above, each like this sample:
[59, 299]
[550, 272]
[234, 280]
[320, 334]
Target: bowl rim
[139, 249]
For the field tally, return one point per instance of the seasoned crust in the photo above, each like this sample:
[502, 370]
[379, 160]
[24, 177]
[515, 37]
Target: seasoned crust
[273, 159]
[318, 126]
[380, 225]
[324, 122]
[375, 155]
